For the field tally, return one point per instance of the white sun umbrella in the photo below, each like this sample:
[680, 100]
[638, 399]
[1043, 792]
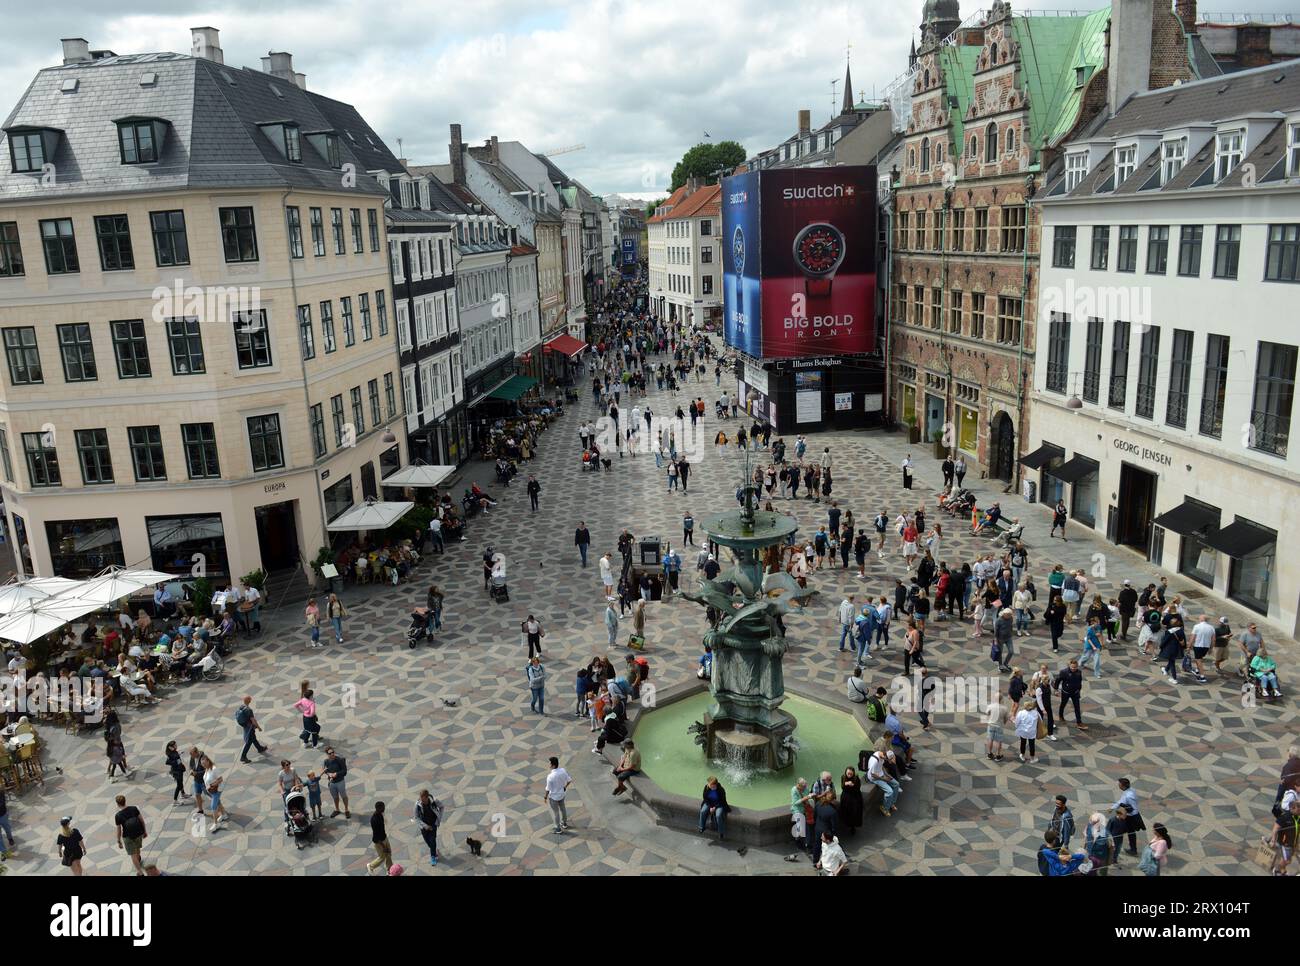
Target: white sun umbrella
[106, 589]
[15, 594]
[146, 576]
[40, 617]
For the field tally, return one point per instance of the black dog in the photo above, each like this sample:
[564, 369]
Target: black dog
[475, 846]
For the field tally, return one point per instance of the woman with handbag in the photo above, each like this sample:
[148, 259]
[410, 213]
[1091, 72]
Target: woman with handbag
[1040, 686]
[1027, 721]
[306, 706]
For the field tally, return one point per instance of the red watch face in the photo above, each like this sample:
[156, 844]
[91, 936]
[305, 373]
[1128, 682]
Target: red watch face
[819, 249]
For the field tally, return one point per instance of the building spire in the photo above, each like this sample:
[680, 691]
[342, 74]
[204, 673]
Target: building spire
[847, 106]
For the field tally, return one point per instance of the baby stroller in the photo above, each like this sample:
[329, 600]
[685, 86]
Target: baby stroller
[419, 628]
[297, 819]
[498, 590]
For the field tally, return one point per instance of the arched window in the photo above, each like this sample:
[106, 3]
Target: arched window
[925, 84]
[911, 157]
[991, 142]
[974, 148]
[993, 53]
[925, 154]
[1011, 140]
[938, 153]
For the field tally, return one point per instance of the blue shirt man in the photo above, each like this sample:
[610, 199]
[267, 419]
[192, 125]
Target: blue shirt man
[864, 630]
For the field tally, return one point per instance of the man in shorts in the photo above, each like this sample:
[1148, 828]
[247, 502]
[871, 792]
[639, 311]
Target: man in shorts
[336, 770]
[131, 832]
[1222, 635]
[1285, 832]
[1202, 640]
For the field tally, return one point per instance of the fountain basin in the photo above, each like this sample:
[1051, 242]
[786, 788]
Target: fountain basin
[831, 732]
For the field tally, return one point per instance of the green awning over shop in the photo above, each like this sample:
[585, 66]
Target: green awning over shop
[513, 388]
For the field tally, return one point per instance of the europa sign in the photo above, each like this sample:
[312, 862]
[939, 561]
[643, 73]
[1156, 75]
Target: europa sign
[1142, 452]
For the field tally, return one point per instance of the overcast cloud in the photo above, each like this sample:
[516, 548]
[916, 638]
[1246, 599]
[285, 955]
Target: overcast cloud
[637, 83]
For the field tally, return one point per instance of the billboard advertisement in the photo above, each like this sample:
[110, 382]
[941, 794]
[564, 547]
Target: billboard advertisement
[629, 251]
[800, 261]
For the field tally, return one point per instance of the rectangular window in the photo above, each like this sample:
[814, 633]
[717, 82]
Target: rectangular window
[981, 229]
[1063, 239]
[1173, 155]
[306, 334]
[200, 443]
[96, 461]
[252, 339]
[186, 346]
[317, 232]
[1293, 150]
[358, 410]
[11, 251]
[78, 353]
[1180, 379]
[1092, 362]
[903, 236]
[955, 307]
[1076, 169]
[390, 395]
[936, 308]
[238, 234]
[318, 431]
[358, 239]
[1227, 152]
[1058, 353]
[1125, 163]
[1227, 250]
[373, 217]
[1013, 228]
[1100, 247]
[1118, 365]
[336, 222]
[42, 459]
[1214, 389]
[60, 245]
[131, 349]
[1126, 260]
[292, 144]
[918, 305]
[706, 255]
[27, 149]
[345, 312]
[5, 458]
[264, 442]
[340, 421]
[137, 143]
[1189, 250]
[376, 413]
[1283, 248]
[919, 242]
[1148, 365]
[958, 216]
[381, 312]
[706, 285]
[147, 453]
[113, 234]
[977, 315]
[327, 326]
[294, 219]
[1157, 249]
[1008, 320]
[1270, 414]
[170, 245]
[363, 304]
[24, 356]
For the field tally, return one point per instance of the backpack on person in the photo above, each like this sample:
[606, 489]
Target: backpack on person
[243, 716]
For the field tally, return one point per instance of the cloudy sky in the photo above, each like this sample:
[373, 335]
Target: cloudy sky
[637, 83]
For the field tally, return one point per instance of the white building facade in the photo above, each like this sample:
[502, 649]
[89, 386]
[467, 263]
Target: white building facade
[1167, 334]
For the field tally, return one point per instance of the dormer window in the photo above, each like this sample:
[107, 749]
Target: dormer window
[1076, 169]
[1293, 150]
[1125, 163]
[30, 148]
[1227, 152]
[326, 144]
[140, 139]
[1173, 155]
[287, 138]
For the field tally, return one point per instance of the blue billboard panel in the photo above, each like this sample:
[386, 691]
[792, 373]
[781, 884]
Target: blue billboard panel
[741, 250]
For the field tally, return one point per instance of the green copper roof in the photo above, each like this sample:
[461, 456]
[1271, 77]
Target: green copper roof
[1051, 48]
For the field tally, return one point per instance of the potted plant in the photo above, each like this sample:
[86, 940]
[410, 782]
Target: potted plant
[201, 595]
[940, 449]
[913, 430]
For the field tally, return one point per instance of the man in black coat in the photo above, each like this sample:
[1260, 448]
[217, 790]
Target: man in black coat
[1128, 601]
[1069, 681]
[825, 819]
[534, 488]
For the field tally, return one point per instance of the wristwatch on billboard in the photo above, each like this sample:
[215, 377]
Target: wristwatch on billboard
[738, 263]
[819, 252]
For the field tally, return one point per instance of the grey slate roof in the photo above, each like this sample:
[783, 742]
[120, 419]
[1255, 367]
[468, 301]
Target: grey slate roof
[213, 139]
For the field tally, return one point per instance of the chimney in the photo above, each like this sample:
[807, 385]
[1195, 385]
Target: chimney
[494, 150]
[1186, 10]
[805, 121]
[457, 158]
[300, 79]
[75, 51]
[1128, 52]
[205, 43]
[279, 64]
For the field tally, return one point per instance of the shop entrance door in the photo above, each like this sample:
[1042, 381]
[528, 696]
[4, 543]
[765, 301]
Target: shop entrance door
[277, 535]
[1137, 500]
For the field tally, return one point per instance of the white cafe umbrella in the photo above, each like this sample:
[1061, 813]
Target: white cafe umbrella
[41, 617]
[144, 576]
[371, 515]
[106, 589]
[15, 594]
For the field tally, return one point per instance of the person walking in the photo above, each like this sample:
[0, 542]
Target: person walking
[1027, 729]
[959, 469]
[1058, 520]
[533, 633]
[428, 815]
[379, 838]
[131, 831]
[1128, 600]
[1069, 682]
[1092, 646]
[607, 574]
[907, 471]
[70, 845]
[534, 489]
[215, 782]
[247, 720]
[1055, 617]
[336, 612]
[1062, 821]
[174, 766]
[1129, 800]
[335, 768]
[197, 774]
[847, 614]
[1040, 688]
[611, 622]
[582, 540]
[306, 706]
[688, 529]
[557, 789]
[536, 676]
[312, 614]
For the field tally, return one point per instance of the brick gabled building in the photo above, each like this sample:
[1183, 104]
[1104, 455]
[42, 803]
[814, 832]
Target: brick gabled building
[991, 101]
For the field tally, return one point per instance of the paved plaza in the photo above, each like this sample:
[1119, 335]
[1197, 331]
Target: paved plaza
[1201, 763]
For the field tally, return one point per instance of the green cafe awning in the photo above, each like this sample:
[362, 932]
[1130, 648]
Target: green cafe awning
[513, 388]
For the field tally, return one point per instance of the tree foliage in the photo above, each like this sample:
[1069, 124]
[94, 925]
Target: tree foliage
[707, 161]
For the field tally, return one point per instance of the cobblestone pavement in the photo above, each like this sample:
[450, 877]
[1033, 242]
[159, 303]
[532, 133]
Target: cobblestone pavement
[1200, 763]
